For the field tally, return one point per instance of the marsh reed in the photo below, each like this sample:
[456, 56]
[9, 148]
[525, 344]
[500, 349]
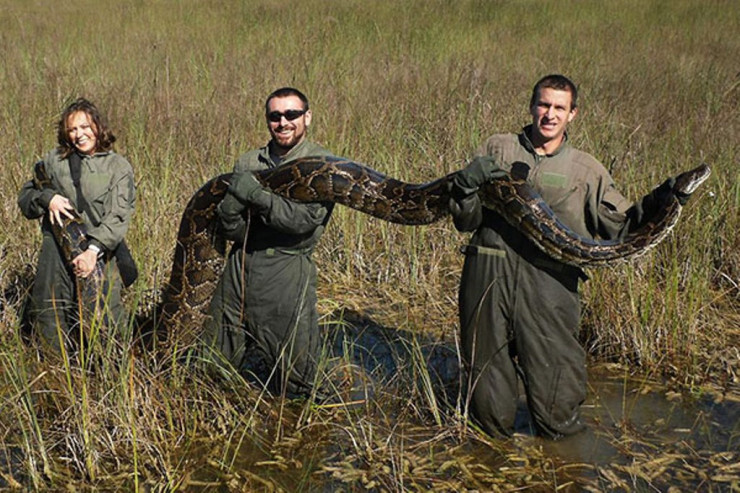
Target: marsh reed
[409, 88]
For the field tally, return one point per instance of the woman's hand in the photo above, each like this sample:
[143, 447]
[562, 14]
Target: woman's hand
[84, 263]
[60, 205]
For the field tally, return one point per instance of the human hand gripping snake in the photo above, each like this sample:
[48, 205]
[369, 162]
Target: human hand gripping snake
[198, 260]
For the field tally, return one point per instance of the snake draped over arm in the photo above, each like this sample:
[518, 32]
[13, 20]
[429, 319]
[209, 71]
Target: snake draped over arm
[199, 252]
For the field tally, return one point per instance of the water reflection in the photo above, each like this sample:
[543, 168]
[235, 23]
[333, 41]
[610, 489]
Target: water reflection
[640, 436]
[638, 431]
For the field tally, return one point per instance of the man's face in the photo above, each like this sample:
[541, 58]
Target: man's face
[287, 122]
[81, 132]
[551, 113]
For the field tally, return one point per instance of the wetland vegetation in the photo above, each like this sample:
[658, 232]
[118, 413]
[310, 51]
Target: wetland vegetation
[409, 88]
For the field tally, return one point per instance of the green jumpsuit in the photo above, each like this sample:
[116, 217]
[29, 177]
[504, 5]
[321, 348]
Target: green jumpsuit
[107, 185]
[267, 294]
[519, 308]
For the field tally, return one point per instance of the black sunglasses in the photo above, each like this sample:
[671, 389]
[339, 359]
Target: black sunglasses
[290, 115]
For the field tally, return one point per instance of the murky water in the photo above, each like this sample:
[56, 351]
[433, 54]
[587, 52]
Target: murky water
[621, 407]
[639, 436]
[644, 437]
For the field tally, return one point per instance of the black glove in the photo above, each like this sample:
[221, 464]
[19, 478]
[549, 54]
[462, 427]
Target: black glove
[681, 197]
[667, 188]
[480, 170]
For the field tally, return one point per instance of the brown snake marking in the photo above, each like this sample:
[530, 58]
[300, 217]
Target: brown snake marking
[198, 259]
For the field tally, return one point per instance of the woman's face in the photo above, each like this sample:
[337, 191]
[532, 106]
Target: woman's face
[82, 132]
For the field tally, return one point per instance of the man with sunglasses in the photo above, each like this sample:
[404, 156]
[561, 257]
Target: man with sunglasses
[266, 298]
[519, 308]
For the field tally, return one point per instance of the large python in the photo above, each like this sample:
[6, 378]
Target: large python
[199, 251]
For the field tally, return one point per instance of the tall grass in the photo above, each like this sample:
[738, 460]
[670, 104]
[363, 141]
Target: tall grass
[410, 88]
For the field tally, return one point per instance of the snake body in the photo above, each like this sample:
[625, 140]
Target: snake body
[332, 179]
[71, 234]
[199, 252]
[517, 202]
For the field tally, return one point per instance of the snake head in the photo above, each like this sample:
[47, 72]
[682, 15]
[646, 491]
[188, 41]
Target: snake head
[686, 183]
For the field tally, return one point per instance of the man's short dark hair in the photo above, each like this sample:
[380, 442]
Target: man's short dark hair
[558, 82]
[284, 92]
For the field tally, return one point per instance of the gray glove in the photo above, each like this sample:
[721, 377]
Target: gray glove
[466, 212]
[480, 170]
[231, 218]
[230, 206]
[244, 186]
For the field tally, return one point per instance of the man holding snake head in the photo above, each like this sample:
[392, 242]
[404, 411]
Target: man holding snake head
[519, 308]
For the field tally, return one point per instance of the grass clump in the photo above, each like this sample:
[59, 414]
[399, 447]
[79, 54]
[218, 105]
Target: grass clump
[409, 88]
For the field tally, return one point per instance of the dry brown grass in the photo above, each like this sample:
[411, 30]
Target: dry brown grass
[409, 88]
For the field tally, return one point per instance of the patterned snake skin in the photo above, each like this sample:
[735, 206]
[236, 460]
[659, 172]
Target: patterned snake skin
[198, 259]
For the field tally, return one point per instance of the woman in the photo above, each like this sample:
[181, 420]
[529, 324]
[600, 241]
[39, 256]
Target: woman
[87, 176]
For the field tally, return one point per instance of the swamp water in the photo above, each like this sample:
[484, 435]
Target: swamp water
[395, 426]
[640, 436]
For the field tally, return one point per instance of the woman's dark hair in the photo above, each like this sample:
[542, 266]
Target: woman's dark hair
[103, 134]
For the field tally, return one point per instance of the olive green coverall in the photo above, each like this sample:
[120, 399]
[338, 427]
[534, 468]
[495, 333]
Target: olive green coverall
[267, 294]
[519, 308]
[107, 185]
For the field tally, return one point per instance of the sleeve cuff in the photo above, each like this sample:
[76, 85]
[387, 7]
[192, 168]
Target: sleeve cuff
[46, 196]
[95, 246]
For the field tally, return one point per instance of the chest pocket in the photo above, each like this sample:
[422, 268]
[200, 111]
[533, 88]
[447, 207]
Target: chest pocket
[555, 188]
[96, 186]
